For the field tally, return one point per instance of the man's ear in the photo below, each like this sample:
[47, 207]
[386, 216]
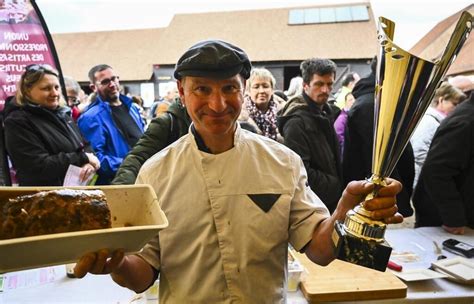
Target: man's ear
[305, 86]
[181, 91]
[93, 87]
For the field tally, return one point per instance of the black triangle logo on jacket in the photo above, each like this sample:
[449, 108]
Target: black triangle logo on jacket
[264, 201]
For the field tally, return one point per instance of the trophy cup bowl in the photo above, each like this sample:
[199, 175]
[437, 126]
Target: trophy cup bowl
[405, 85]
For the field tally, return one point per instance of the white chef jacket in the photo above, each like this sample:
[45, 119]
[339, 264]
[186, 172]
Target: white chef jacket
[222, 245]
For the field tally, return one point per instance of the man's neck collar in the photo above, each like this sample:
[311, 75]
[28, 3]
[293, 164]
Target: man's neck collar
[202, 146]
[199, 141]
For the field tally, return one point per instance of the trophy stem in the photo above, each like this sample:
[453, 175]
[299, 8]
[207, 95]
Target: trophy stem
[359, 222]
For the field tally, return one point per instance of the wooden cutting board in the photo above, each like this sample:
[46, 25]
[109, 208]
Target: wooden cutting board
[342, 281]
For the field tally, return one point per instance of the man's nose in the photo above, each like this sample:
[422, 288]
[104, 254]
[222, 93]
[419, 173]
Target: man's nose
[217, 102]
[326, 88]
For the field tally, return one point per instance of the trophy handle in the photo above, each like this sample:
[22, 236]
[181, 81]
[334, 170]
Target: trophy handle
[388, 27]
[456, 41]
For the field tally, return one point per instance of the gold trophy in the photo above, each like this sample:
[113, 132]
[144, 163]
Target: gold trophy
[405, 85]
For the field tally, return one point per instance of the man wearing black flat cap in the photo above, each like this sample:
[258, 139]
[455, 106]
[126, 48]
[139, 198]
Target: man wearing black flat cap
[233, 199]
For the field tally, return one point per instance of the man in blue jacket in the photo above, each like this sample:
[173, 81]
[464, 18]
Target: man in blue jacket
[110, 123]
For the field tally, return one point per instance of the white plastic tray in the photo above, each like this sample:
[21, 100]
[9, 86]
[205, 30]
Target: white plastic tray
[136, 218]
[459, 267]
[418, 275]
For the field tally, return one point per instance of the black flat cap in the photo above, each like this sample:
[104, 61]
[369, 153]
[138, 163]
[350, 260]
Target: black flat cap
[213, 59]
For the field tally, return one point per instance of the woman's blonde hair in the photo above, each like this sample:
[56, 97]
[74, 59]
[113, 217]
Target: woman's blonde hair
[33, 73]
[261, 73]
[448, 92]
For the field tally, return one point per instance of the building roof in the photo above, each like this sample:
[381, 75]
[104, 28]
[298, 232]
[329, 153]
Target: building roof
[129, 52]
[435, 41]
[265, 35]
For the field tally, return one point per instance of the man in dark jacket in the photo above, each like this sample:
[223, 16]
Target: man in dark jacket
[359, 139]
[162, 131]
[444, 193]
[307, 127]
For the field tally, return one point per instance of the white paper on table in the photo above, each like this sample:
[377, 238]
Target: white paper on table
[30, 278]
[72, 177]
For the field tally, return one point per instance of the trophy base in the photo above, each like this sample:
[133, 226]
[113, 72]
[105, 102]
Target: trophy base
[367, 253]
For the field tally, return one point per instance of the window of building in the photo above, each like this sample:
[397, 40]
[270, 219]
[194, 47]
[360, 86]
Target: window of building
[311, 15]
[343, 14]
[296, 17]
[359, 13]
[328, 15]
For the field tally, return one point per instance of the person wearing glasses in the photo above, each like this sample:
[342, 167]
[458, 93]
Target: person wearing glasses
[75, 96]
[110, 123]
[444, 192]
[40, 136]
[445, 100]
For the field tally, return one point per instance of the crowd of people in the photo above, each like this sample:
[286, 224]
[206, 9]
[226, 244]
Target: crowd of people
[220, 121]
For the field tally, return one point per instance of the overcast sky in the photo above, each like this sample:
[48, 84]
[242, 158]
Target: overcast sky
[413, 18]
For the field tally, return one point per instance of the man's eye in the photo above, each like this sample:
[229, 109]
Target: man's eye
[230, 89]
[202, 90]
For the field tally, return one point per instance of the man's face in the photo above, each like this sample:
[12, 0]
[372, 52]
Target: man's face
[319, 88]
[213, 104]
[107, 85]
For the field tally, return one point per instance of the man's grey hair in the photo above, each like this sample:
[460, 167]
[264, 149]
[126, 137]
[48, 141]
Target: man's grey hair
[71, 83]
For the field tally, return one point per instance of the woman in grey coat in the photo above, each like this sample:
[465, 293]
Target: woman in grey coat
[444, 102]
